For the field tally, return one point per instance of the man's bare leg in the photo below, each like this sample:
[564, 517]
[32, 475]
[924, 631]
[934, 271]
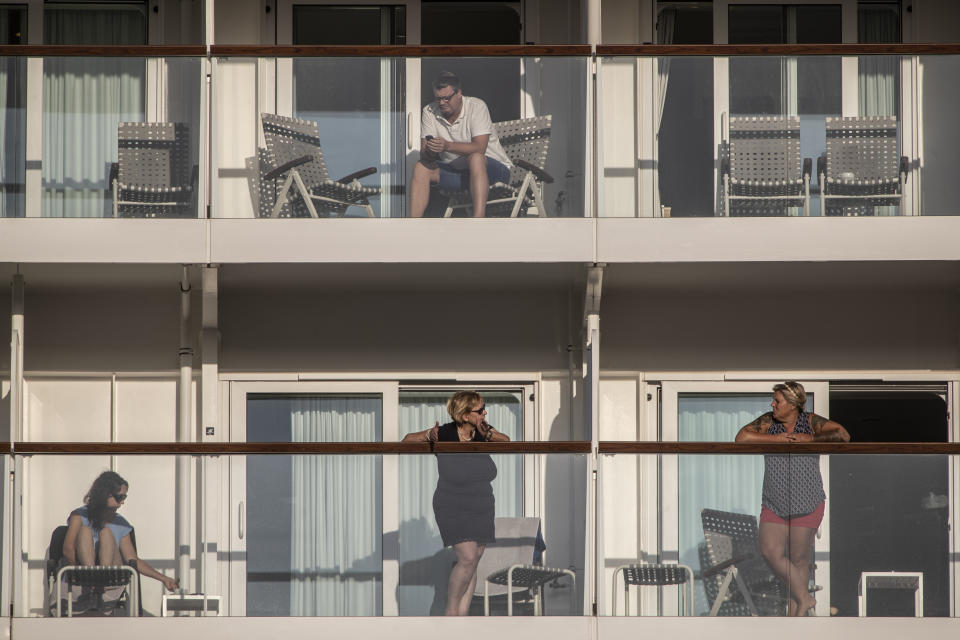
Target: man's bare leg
[479, 184]
[423, 176]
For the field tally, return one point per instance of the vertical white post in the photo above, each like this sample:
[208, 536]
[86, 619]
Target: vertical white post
[208, 580]
[184, 434]
[591, 318]
[11, 505]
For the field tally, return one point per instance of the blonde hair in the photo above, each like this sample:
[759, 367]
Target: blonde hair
[793, 393]
[461, 403]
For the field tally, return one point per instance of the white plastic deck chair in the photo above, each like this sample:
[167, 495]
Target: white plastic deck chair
[526, 142]
[295, 156]
[507, 566]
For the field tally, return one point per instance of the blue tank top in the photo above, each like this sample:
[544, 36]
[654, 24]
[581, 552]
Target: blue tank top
[119, 526]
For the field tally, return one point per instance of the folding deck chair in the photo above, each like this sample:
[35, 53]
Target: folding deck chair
[292, 168]
[733, 571]
[153, 177]
[509, 567]
[97, 577]
[761, 168]
[526, 143]
[861, 169]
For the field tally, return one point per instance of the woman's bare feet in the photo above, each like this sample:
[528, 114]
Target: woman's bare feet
[808, 608]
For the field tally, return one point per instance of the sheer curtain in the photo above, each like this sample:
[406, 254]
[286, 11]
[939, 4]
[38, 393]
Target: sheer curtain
[424, 564]
[13, 92]
[878, 76]
[84, 99]
[727, 483]
[335, 528]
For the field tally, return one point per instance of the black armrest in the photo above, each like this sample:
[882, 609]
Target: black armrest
[720, 566]
[724, 166]
[904, 167]
[194, 176]
[286, 166]
[542, 175]
[356, 175]
[822, 167]
[133, 565]
[807, 166]
[114, 174]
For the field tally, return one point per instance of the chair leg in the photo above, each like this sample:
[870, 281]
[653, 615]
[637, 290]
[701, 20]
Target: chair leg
[116, 199]
[722, 591]
[806, 196]
[304, 193]
[282, 196]
[520, 195]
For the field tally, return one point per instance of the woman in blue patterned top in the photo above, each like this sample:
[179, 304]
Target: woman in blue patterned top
[793, 498]
[98, 535]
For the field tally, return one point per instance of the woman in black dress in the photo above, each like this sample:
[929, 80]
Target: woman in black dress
[463, 502]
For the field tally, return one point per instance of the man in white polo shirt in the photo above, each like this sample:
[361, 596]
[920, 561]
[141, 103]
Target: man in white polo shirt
[459, 148]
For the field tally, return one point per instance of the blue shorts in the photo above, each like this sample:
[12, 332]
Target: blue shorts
[454, 177]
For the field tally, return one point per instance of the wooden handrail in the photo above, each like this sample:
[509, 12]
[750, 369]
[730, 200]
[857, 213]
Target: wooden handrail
[878, 448]
[645, 50]
[554, 447]
[470, 51]
[291, 448]
[104, 51]
[412, 51]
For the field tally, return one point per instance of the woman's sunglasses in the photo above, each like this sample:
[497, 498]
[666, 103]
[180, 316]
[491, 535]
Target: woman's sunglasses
[119, 497]
[482, 408]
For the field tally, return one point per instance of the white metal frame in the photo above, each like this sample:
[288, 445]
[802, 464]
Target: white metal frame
[389, 390]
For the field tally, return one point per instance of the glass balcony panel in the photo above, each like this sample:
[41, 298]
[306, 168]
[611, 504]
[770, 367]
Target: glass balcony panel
[752, 135]
[94, 166]
[881, 550]
[53, 487]
[357, 114]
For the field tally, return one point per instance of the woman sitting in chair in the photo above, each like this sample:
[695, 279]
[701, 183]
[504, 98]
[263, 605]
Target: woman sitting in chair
[98, 535]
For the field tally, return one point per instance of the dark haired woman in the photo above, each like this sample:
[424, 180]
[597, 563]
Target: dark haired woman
[463, 503]
[793, 499]
[98, 535]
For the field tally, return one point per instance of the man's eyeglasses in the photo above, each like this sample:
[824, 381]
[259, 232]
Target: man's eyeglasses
[119, 497]
[482, 408]
[446, 98]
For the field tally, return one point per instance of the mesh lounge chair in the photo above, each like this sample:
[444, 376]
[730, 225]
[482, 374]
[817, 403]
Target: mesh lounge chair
[736, 578]
[296, 172]
[526, 143]
[654, 575]
[509, 566]
[861, 169]
[153, 177]
[97, 578]
[762, 170]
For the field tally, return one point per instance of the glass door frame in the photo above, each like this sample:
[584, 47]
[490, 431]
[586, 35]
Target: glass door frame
[669, 543]
[283, 83]
[236, 569]
[233, 574]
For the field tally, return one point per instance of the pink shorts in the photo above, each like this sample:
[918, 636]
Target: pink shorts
[809, 521]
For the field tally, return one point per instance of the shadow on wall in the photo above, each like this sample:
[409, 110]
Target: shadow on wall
[565, 503]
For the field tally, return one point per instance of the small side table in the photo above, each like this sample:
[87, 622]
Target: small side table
[190, 602]
[891, 580]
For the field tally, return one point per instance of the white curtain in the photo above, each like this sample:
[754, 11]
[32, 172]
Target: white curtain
[84, 99]
[666, 21]
[12, 134]
[335, 528]
[727, 483]
[878, 76]
[424, 566]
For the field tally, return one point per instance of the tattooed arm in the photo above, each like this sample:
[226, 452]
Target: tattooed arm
[827, 430]
[757, 430]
